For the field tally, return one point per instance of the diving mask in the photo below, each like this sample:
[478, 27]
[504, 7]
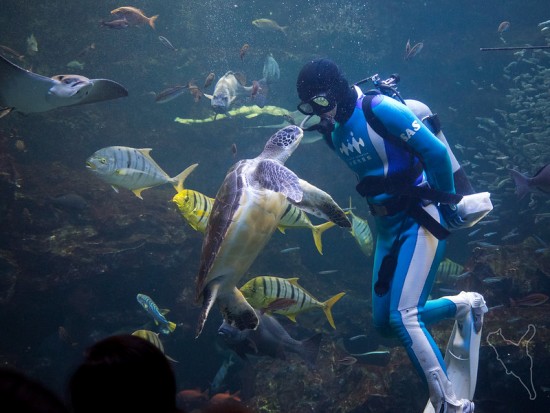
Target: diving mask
[318, 104]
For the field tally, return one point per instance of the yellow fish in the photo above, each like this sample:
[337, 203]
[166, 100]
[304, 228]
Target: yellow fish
[361, 232]
[195, 207]
[154, 339]
[265, 292]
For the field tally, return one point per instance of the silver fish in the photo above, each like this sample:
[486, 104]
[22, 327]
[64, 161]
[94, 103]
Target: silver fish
[171, 93]
[131, 168]
[165, 42]
[226, 91]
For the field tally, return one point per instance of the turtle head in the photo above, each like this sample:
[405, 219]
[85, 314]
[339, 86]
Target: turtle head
[283, 143]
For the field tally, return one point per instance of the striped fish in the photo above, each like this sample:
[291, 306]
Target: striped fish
[448, 271]
[154, 339]
[133, 169]
[294, 217]
[166, 327]
[195, 207]
[361, 232]
[262, 292]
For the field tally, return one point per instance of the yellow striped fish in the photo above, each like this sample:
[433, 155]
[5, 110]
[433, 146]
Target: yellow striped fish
[154, 339]
[449, 271]
[361, 232]
[264, 292]
[195, 207]
[294, 217]
[131, 168]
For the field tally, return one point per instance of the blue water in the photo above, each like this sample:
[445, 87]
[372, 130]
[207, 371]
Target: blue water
[458, 81]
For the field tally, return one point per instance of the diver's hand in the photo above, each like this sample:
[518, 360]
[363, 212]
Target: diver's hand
[450, 214]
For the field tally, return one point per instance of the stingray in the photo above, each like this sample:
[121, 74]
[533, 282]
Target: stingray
[27, 92]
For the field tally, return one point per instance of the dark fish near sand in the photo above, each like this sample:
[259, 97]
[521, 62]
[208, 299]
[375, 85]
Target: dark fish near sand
[171, 93]
[531, 300]
[70, 201]
[540, 182]
[269, 339]
[247, 210]
[116, 24]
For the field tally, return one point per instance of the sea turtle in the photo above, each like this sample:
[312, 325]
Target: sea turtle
[248, 206]
[27, 92]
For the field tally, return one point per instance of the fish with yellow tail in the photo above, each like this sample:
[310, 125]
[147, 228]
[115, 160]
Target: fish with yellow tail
[158, 315]
[361, 232]
[246, 211]
[154, 339]
[285, 296]
[131, 168]
[134, 16]
[294, 217]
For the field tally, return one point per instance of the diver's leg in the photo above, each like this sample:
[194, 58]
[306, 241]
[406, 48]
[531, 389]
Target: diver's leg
[386, 232]
[419, 257]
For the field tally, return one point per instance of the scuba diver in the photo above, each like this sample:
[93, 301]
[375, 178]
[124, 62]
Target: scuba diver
[412, 183]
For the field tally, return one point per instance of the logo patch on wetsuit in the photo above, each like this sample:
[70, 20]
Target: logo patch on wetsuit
[410, 133]
[352, 145]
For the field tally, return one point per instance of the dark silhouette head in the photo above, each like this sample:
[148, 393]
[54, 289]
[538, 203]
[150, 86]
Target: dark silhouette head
[123, 373]
[19, 393]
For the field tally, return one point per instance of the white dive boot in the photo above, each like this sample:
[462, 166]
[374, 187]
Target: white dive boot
[462, 354]
[442, 396]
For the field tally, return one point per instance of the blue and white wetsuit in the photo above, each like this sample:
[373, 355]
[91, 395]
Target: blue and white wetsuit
[404, 310]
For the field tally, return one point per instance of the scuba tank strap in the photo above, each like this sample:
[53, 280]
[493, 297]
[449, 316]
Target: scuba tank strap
[375, 123]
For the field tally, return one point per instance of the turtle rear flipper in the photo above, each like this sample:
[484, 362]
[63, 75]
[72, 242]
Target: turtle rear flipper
[237, 312]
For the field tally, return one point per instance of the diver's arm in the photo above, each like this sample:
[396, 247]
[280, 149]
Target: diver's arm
[400, 121]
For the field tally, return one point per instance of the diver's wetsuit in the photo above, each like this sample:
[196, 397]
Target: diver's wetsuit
[404, 310]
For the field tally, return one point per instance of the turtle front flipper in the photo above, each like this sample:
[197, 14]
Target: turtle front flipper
[208, 298]
[276, 177]
[317, 202]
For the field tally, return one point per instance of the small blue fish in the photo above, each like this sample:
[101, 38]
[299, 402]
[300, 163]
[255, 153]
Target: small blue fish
[166, 327]
[291, 249]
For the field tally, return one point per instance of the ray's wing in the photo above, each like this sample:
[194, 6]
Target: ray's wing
[29, 92]
[22, 90]
[103, 89]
